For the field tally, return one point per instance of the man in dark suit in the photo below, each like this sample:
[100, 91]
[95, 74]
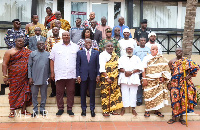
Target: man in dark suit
[87, 72]
[34, 39]
[97, 33]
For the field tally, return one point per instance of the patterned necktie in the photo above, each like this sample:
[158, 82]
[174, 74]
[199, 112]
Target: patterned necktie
[88, 56]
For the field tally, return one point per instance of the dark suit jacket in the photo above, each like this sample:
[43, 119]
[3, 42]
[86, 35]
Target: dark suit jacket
[33, 42]
[97, 36]
[85, 69]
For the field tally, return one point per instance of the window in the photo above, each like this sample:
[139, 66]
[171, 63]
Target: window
[117, 12]
[78, 10]
[160, 14]
[11, 9]
[100, 9]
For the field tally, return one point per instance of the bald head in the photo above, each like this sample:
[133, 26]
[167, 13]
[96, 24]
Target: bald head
[92, 16]
[154, 50]
[58, 23]
[121, 20]
[66, 37]
[58, 15]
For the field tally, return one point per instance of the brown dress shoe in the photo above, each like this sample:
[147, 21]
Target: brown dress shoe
[122, 111]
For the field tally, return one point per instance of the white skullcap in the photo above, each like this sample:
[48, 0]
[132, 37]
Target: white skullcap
[126, 30]
[151, 34]
[129, 45]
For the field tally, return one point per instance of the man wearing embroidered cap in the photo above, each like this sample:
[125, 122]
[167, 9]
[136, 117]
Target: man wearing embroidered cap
[129, 67]
[152, 41]
[123, 43]
[143, 31]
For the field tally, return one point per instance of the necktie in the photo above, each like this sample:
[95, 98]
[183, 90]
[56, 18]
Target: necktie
[88, 56]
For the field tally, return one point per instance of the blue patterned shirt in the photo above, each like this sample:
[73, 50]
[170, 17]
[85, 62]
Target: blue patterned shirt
[11, 35]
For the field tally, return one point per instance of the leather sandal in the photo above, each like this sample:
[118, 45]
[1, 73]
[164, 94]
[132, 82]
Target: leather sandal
[114, 113]
[147, 114]
[106, 114]
[159, 114]
[183, 122]
[171, 121]
[134, 112]
[12, 114]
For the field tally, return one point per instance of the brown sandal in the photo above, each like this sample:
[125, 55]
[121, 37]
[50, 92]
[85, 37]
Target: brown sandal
[134, 112]
[159, 114]
[114, 113]
[147, 114]
[106, 114]
[12, 114]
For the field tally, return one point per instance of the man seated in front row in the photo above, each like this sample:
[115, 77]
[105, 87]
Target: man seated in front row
[87, 72]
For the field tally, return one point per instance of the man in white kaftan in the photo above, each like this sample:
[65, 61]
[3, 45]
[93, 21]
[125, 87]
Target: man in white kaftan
[130, 67]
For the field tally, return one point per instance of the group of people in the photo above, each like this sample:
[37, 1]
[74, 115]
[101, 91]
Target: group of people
[126, 69]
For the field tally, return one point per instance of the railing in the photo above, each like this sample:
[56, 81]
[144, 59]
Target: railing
[170, 42]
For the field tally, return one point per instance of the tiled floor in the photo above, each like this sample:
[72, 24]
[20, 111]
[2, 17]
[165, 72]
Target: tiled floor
[192, 125]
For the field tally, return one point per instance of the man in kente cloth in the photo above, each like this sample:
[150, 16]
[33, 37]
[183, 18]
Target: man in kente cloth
[177, 87]
[156, 76]
[15, 73]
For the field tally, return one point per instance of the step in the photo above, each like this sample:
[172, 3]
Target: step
[52, 108]
[97, 91]
[52, 100]
[78, 118]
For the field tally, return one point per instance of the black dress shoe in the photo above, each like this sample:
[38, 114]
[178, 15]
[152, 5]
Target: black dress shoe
[43, 113]
[65, 95]
[52, 95]
[34, 114]
[92, 113]
[139, 103]
[70, 113]
[60, 112]
[83, 113]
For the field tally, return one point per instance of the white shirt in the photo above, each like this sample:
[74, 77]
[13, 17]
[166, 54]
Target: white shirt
[103, 58]
[148, 44]
[37, 37]
[130, 64]
[124, 43]
[64, 57]
[50, 33]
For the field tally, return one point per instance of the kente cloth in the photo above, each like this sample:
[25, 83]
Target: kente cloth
[32, 30]
[178, 87]
[156, 93]
[20, 91]
[50, 18]
[64, 24]
[115, 97]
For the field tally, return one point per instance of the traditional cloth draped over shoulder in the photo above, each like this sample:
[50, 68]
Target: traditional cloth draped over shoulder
[115, 93]
[178, 88]
[156, 93]
[18, 77]
[32, 30]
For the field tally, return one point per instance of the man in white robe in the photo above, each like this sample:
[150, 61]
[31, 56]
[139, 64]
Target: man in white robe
[130, 67]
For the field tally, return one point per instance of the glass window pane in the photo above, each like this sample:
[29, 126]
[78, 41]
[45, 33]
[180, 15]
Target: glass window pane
[136, 13]
[160, 14]
[78, 7]
[117, 12]
[100, 9]
[11, 9]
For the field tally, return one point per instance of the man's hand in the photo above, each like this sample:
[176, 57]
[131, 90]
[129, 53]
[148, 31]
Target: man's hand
[109, 81]
[135, 71]
[128, 73]
[53, 76]
[145, 83]
[98, 79]
[79, 79]
[30, 81]
[5, 80]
